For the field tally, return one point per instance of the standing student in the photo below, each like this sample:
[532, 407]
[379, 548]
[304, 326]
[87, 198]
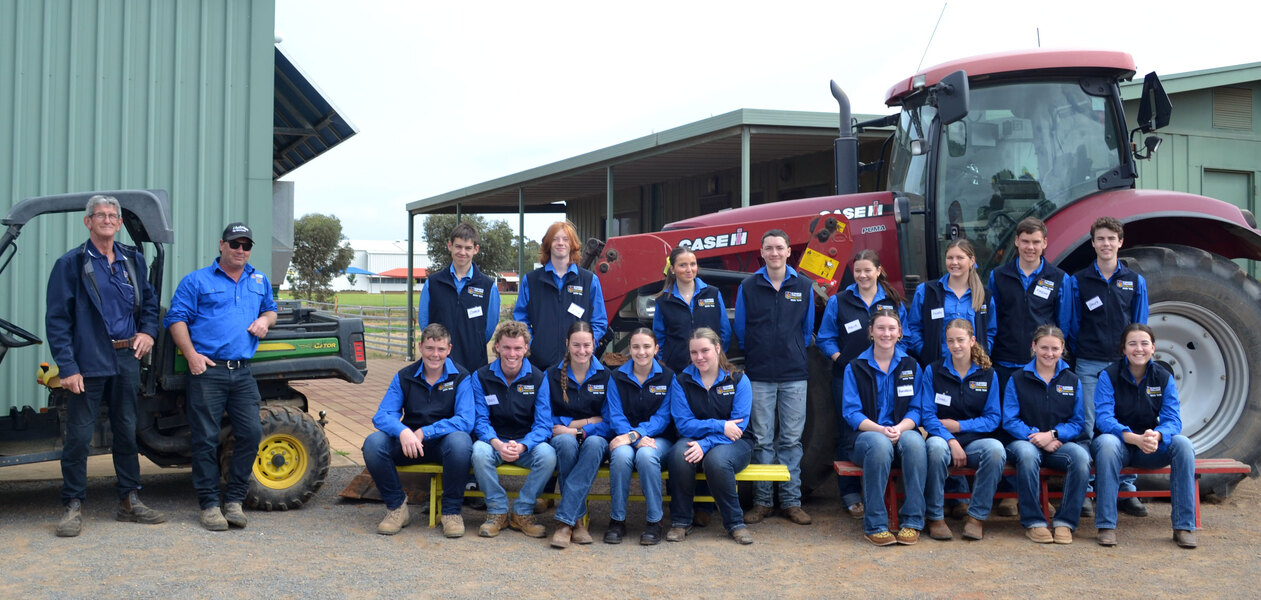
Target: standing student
[961, 409]
[639, 414]
[1042, 409]
[959, 294]
[710, 406]
[514, 422]
[462, 299]
[883, 414]
[1107, 296]
[102, 316]
[425, 417]
[1140, 424]
[218, 314]
[685, 303]
[1027, 292]
[774, 323]
[558, 293]
[843, 335]
[580, 434]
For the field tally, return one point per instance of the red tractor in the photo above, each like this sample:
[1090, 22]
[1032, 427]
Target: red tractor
[977, 145]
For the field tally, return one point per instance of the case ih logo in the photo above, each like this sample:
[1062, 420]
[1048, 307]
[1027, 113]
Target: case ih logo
[875, 209]
[725, 240]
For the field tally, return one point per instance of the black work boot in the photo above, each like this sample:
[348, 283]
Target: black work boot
[615, 533]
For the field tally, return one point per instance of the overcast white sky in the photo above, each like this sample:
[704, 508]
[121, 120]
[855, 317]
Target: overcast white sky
[450, 94]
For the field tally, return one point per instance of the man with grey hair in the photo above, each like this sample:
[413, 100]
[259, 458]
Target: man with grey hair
[101, 319]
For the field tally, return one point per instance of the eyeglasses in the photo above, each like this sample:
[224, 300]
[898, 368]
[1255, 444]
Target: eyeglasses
[107, 217]
[237, 245]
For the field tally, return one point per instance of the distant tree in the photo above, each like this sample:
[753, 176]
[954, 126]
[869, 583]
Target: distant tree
[531, 253]
[350, 278]
[319, 253]
[498, 251]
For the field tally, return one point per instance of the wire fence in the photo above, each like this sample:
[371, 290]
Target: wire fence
[384, 327]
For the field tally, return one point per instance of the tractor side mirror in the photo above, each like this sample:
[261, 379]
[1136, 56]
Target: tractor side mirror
[952, 97]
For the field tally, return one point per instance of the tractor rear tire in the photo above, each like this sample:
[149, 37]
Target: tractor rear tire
[1206, 313]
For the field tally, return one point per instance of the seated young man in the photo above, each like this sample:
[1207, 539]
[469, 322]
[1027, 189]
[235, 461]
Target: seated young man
[425, 417]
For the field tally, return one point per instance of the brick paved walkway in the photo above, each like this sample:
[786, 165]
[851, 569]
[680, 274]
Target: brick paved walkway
[349, 406]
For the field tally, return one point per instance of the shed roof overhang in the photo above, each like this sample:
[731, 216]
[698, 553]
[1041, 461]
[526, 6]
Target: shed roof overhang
[705, 146]
[305, 124]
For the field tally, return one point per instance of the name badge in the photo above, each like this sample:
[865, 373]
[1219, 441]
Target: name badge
[937, 313]
[906, 390]
[1042, 292]
[576, 310]
[852, 326]
[942, 399]
[492, 400]
[1094, 303]
[474, 312]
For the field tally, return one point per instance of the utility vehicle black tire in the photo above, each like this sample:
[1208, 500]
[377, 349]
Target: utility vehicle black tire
[293, 460]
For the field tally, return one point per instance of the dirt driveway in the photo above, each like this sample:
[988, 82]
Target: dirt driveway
[329, 549]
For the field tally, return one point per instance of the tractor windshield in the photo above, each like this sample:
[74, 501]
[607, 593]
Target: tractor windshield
[1024, 149]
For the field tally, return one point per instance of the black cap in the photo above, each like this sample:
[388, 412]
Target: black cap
[236, 231]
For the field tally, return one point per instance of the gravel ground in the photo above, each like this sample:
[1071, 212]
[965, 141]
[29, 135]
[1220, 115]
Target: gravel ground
[329, 549]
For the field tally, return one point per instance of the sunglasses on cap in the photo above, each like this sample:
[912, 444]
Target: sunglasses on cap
[238, 244]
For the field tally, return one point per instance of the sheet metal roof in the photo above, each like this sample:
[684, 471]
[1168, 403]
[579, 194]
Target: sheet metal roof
[305, 124]
[704, 146]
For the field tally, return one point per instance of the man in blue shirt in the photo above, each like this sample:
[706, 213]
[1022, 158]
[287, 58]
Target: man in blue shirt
[462, 299]
[101, 319]
[218, 314]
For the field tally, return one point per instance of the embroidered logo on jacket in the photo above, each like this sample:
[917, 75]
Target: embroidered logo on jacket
[657, 389]
[525, 388]
[979, 386]
[476, 292]
[1064, 389]
[706, 303]
[446, 386]
[595, 388]
[1154, 390]
[793, 296]
[1125, 285]
[574, 289]
[727, 389]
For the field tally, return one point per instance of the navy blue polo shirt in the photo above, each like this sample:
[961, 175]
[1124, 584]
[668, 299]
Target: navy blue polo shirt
[118, 295]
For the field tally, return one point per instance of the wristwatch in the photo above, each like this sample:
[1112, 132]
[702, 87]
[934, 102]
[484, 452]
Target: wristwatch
[1055, 434]
[633, 436]
[580, 435]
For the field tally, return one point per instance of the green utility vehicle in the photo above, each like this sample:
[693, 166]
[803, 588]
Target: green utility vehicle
[293, 457]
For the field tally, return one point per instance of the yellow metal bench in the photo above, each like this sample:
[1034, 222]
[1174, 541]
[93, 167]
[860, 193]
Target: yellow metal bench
[434, 470]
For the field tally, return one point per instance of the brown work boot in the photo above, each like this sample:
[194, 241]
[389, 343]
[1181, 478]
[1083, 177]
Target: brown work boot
[757, 513]
[212, 519]
[907, 536]
[1107, 537]
[1063, 535]
[742, 536]
[493, 525]
[939, 530]
[973, 528]
[71, 524]
[677, 533]
[561, 537]
[1040, 535]
[959, 510]
[527, 525]
[581, 535]
[395, 520]
[542, 504]
[133, 510]
[453, 526]
[797, 515]
[1007, 507]
[234, 514]
[1184, 538]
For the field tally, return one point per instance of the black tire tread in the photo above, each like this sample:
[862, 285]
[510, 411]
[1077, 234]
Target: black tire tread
[287, 419]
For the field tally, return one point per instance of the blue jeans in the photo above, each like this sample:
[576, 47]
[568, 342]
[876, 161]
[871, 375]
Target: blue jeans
[647, 461]
[986, 455]
[540, 460]
[210, 394]
[874, 453]
[1071, 458]
[1088, 373]
[577, 465]
[720, 464]
[119, 394]
[383, 452]
[851, 487]
[1111, 454]
[788, 401]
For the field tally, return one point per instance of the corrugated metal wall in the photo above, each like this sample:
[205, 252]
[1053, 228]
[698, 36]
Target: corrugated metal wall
[111, 94]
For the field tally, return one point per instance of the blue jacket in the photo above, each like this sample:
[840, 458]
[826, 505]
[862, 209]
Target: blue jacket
[549, 303]
[774, 327]
[932, 308]
[702, 413]
[410, 402]
[1031, 405]
[845, 322]
[1122, 404]
[468, 308]
[571, 400]
[1023, 304]
[674, 320]
[1102, 309]
[885, 398]
[644, 407]
[519, 410]
[972, 399]
[74, 321]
